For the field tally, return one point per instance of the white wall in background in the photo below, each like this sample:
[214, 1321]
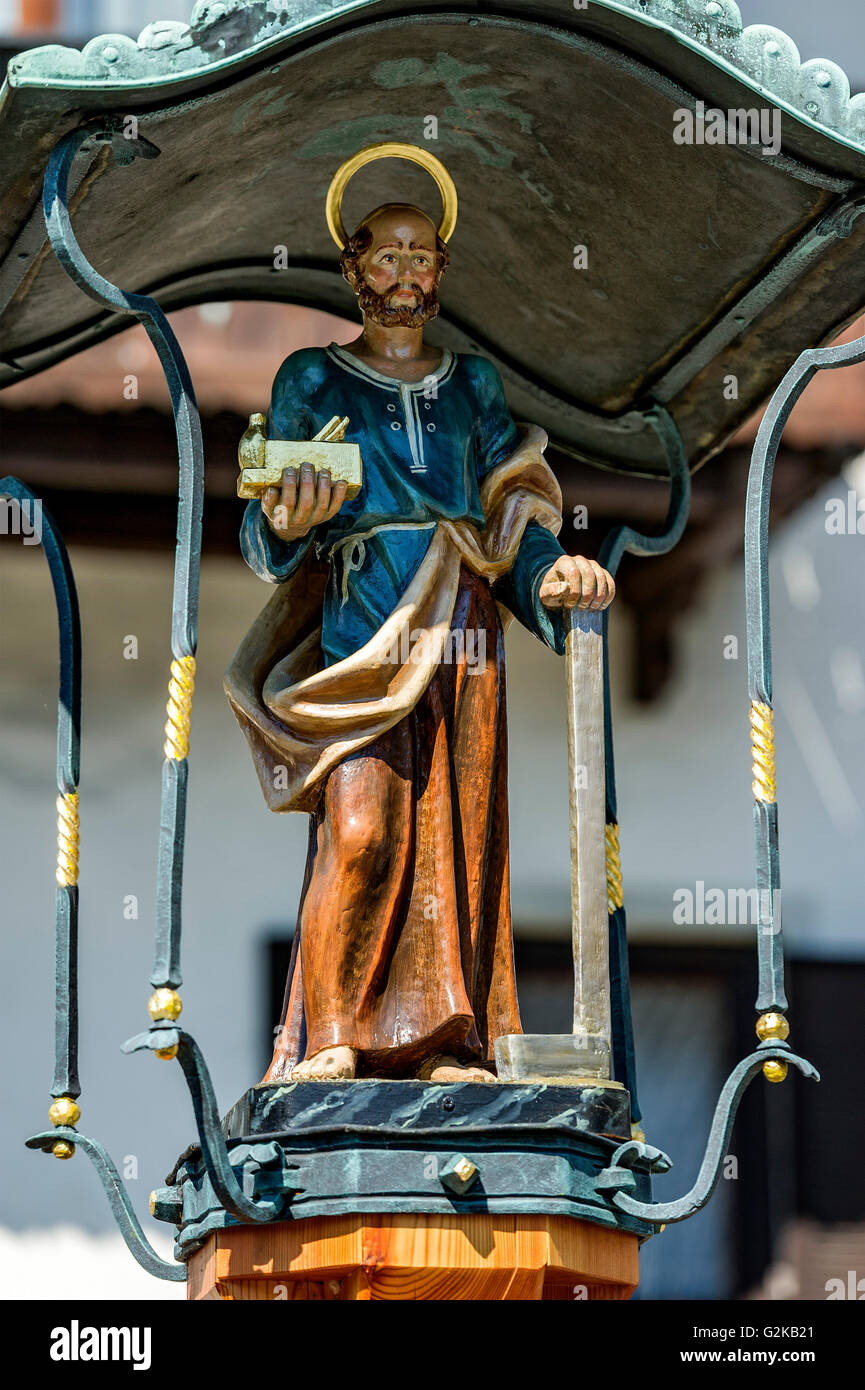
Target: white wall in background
[63, 1262]
[683, 764]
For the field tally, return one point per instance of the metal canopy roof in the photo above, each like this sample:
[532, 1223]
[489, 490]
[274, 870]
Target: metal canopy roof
[705, 262]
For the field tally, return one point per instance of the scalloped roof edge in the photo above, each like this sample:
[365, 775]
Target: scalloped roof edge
[817, 89]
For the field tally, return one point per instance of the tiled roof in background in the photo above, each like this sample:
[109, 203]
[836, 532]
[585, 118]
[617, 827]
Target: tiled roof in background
[234, 350]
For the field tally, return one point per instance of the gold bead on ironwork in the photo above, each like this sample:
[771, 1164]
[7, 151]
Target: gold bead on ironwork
[774, 1071]
[63, 1149]
[164, 1004]
[772, 1025]
[64, 1111]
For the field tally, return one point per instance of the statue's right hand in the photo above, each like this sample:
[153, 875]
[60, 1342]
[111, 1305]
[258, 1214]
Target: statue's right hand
[302, 502]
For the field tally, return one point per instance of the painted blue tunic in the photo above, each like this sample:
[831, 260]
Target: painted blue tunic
[425, 447]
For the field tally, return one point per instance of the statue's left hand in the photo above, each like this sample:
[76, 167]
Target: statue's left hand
[575, 582]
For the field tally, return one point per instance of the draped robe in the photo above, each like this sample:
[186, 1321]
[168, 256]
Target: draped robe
[371, 692]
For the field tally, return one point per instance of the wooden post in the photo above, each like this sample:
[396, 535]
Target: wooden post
[417, 1258]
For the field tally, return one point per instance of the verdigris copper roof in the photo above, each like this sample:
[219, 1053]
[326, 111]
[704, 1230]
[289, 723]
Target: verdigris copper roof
[600, 263]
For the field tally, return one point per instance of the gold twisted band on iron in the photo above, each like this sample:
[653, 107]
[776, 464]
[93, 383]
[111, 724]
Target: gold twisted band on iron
[762, 721]
[615, 891]
[390, 149]
[67, 839]
[181, 687]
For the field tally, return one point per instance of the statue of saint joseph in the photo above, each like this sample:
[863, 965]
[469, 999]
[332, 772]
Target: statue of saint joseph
[371, 688]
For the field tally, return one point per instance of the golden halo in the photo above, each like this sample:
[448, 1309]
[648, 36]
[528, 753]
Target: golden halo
[390, 149]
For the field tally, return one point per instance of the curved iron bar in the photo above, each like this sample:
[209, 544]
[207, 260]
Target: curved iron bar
[624, 538]
[184, 620]
[770, 949]
[66, 1082]
[118, 1198]
[213, 1146]
[716, 1148]
[615, 544]
[771, 993]
[166, 970]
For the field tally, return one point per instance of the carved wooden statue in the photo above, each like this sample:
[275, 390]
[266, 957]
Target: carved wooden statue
[371, 688]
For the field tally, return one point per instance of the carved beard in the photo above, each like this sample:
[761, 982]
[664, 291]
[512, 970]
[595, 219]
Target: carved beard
[376, 307]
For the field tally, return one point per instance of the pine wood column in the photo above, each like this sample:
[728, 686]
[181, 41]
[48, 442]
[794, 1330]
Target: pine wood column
[407, 1258]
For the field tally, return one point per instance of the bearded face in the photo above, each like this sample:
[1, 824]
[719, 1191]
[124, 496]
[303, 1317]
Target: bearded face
[386, 309]
[394, 263]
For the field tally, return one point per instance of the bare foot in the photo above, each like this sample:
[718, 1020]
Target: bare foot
[447, 1070]
[330, 1064]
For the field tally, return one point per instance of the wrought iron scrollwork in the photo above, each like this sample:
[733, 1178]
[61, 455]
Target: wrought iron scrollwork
[617, 1178]
[164, 1005]
[65, 1083]
[184, 617]
[118, 1199]
[214, 1149]
[773, 1055]
[65, 1137]
[771, 953]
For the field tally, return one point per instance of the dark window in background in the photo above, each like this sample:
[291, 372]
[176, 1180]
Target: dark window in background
[682, 1027]
[827, 1014]
[798, 1145]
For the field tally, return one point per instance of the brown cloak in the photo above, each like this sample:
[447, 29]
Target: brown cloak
[399, 754]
